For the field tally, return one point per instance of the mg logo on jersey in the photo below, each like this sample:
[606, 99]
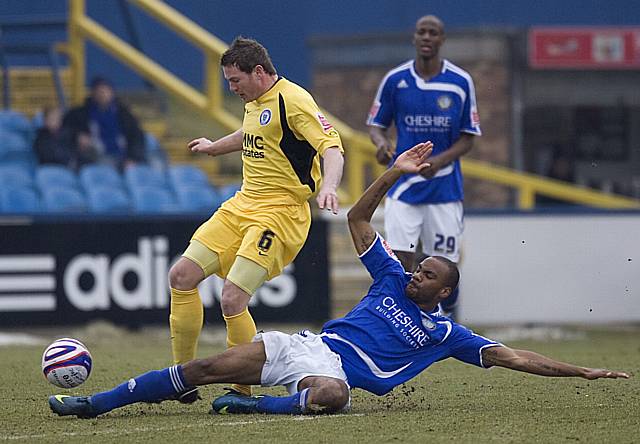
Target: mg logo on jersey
[265, 117]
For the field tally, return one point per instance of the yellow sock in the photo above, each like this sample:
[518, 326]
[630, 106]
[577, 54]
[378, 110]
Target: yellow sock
[185, 323]
[240, 330]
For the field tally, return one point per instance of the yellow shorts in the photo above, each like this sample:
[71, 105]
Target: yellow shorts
[269, 235]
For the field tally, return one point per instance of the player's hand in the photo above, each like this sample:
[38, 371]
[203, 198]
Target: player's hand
[433, 168]
[328, 198]
[385, 153]
[414, 159]
[201, 145]
[597, 373]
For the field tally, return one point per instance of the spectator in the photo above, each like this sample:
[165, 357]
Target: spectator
[107, 125]
[54, 143]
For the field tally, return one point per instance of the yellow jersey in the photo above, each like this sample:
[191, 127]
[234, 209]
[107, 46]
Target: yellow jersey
[283, 133]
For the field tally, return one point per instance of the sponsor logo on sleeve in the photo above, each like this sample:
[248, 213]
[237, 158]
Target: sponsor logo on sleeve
[475, 117]
[326, 126]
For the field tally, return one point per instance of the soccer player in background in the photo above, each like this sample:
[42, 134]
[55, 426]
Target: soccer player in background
[394, 333]
[428, 98]
[259, 231]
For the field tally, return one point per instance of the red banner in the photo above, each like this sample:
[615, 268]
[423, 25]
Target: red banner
[593, 47]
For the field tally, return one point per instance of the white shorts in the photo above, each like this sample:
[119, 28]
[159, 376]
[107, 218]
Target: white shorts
[438, 226]
[291, 358]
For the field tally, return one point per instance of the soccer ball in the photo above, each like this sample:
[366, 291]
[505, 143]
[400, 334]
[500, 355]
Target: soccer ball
[66, 363]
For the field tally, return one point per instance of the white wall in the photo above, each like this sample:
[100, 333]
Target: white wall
[571, 268]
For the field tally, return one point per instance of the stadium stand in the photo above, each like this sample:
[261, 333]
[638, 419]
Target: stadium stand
[144, 175]
[56, 176]
[197, 197]
[150, 199]
[181, 175]
[63, 200]
[156, 187]
[107, 199]
[96, 176]
[14, 175]
[19, 200]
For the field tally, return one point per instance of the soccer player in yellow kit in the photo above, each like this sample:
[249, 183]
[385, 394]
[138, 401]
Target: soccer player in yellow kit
[256, 233]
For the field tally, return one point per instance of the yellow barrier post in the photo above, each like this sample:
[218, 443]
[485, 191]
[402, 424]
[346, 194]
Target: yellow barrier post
[76, 50]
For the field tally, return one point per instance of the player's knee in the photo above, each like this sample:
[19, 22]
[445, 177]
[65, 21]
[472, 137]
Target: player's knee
[183, 276]
[233, 300]
[198, 371]
[330, 397]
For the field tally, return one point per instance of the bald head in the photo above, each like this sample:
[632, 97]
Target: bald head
[430, 20]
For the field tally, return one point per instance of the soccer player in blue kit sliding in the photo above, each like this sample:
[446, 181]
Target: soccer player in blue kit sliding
[392, 335]
[428, 98]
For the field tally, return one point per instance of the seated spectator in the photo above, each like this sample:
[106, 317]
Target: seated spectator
[106, 124]
[54, 143]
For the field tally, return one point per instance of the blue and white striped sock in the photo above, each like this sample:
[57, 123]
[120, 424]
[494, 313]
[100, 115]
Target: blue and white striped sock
[152, 386]
[284, 405]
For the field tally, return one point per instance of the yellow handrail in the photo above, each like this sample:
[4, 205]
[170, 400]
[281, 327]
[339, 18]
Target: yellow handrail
[359, 150]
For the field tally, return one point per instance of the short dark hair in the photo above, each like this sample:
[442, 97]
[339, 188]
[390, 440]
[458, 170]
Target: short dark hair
[245, 54]
[100, 81]
[453, 274]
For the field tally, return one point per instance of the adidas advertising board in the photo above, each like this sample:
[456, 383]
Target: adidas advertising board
[76, 271]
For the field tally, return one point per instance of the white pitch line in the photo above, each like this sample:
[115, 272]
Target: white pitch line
[114, 432]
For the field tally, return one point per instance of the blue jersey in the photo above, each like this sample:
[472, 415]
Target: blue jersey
[387, 339]
[437, 110]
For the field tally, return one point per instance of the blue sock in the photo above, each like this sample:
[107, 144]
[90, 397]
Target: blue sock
[153, 386]
[286, 405]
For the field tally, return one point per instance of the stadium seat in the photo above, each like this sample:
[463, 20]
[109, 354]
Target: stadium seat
[14, 176]
[143, 176]
[148, 199]
[92, 176]
[228, 191]
[59, 200]
[10, 141]
[156, 156]
[197, 198]
[48, 176]
[106, 199]
[181, 175]
[15, 122]
[20, 200]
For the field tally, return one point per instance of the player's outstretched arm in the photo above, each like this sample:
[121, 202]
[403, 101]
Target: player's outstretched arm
[227, 144]
[359, 217]
[537, 364]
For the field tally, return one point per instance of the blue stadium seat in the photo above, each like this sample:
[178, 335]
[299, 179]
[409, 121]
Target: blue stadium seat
[48, 176]
[181, 175]
[15, 176]
[22, 200]
[63, 200]
[15, 122]
[10, 141]
[197, 198]
[143, 176]
[92, 176]
[156, 156]
[106, 199]
[149, 199]
[226, 192]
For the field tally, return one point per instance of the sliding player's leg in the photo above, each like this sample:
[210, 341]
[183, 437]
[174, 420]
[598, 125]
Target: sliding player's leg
[243, 364]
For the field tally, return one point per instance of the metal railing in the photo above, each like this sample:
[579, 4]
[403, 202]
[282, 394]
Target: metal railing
[360, 152]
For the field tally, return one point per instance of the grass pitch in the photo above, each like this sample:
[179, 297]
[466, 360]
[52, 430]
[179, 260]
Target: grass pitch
[449, 402]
